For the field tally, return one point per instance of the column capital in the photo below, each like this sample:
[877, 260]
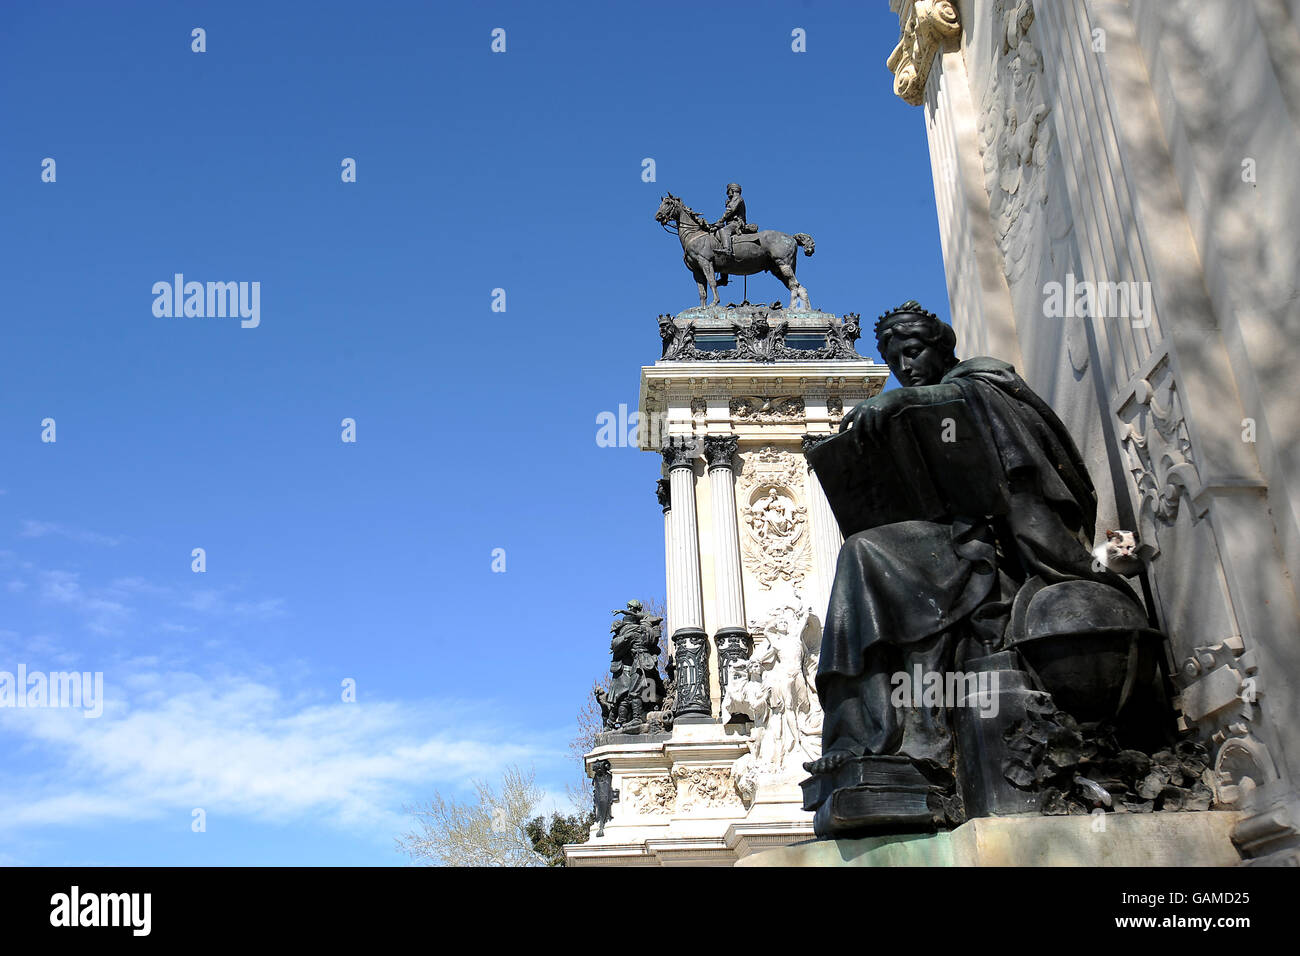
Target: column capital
[680, 451]
[720, 450]
[810, 442]
[664, 494]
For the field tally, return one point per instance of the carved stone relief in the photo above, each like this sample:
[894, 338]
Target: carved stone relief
[776, 688]
[1220, 695]
[1159, 455]
[1014, 140]
[925, 28]
[784, 408]
[774, 538]
[650, 796]
[704, 787]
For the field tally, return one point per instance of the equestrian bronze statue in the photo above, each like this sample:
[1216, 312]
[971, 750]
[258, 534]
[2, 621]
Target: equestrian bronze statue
[724, 250]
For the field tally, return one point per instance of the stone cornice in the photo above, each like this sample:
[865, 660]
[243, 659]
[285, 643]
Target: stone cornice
[926, 25]
[667, 389]
[722, 376]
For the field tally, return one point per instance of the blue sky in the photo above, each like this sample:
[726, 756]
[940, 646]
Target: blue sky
[475, 429]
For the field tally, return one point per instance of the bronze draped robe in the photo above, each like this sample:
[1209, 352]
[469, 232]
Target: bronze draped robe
[904, 592]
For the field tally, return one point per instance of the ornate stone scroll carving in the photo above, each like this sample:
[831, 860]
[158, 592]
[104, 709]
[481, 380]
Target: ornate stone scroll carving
[761, 340]
[1159, 453]
[651, 796]
[784, 408]
[704, 787]
[840, 339]
[926, 27]
[774, 539]
[678, 340]
[1219, 697]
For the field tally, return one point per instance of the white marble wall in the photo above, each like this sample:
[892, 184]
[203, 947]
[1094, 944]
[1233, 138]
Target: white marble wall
[1109, 141]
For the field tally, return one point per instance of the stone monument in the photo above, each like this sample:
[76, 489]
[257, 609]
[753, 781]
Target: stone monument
[738, 396]
[1117, 222]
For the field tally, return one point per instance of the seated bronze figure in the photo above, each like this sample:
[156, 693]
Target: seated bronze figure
[967, 511]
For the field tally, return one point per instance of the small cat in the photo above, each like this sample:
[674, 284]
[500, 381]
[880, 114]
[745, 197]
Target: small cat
[1119, 553]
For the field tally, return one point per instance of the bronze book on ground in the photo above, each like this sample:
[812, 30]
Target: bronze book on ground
[913, 472]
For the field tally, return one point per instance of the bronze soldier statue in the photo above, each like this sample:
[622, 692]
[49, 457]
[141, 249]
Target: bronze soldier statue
[732, 222]
[635, 685]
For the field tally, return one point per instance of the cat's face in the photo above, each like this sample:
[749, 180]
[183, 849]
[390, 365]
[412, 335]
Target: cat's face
[1121, 542]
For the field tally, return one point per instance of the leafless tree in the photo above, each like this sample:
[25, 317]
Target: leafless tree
[487, 831]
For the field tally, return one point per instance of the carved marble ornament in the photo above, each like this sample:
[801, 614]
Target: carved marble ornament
[927, 26]
[775, 541]
[704, 787]
[650, 796]
[776, 688]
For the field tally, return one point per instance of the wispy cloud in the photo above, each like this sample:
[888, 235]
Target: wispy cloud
[171, 742]
[103, 610]
[216, 602]
[43, 529]
[108, 609]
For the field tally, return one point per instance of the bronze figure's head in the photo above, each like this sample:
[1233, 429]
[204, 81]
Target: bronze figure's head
[917, 345]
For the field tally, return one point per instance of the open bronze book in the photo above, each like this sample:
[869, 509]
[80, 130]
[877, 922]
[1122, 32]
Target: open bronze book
[933, 462]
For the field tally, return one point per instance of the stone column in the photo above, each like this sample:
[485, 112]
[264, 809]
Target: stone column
[685, 603]
[729, 596]
[665, 501]
[825, 530]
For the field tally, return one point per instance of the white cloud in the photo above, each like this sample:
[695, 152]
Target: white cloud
[42, 529]
[104, 614]
[214, 602]
[170, 742]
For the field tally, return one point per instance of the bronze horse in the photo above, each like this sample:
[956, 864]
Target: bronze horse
[766, 251]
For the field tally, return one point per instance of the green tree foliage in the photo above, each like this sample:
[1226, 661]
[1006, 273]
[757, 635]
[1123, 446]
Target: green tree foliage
[548, 839]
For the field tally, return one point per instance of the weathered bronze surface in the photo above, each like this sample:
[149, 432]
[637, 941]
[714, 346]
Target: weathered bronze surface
[725, 249]
[636, 689]
[968, 517]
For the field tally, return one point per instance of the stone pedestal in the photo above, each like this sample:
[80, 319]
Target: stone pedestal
[1139, 839]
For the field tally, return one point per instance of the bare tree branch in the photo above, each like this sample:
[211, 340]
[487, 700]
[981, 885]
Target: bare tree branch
[487, 832]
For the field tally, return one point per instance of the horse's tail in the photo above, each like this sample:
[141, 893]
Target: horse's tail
[805, 240]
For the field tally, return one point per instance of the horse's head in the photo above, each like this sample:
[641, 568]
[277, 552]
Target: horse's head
[670, 210]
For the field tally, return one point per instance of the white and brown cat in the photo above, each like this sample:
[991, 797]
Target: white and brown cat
[1119, 553]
